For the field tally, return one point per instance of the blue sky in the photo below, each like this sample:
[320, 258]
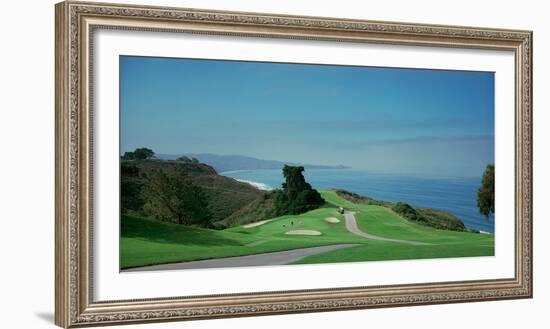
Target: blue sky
[403, 121]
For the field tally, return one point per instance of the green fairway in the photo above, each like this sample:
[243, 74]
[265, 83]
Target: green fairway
[382, 250]
[146, 242]
[383, 221]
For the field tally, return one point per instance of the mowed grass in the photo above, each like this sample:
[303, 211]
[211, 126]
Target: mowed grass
[147, 242]
[383, 250]
[384, 222]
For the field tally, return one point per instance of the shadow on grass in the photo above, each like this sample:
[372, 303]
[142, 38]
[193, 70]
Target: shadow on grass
[156, 231]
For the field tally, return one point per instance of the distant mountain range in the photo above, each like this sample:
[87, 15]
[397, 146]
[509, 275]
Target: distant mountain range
[223, 163]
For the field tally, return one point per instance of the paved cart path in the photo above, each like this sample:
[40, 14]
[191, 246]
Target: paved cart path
[351, 225]
[272, 258]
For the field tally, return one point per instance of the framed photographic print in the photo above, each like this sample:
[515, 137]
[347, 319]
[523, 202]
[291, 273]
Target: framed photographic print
[217, 164]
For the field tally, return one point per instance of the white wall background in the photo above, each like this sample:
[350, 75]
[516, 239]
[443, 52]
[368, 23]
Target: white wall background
[27, 162]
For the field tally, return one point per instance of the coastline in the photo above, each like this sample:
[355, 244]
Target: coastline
[229, 172]
[258, 185]
[460, 193]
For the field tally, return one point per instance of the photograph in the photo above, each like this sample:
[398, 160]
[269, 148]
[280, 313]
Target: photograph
[227, 163]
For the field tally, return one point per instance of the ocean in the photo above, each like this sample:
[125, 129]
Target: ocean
[455, 195]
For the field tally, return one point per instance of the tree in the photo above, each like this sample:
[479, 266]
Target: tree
[297, 196]
[183, 158]
[130, 188]
[142, 153]
[486, 192]
[294, 180]
[173, 197]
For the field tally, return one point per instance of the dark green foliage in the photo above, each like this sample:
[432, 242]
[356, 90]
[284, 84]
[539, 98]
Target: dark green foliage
[429, 217]
[441, 219]
[408, 212]
[130, 188]
[297, 196]
[172, 197]
[190, 161]
[225, 195]
[486, 192]
[142, 153]
[360, 199]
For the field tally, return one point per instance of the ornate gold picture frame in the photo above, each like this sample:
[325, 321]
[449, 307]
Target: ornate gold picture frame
[76, 22]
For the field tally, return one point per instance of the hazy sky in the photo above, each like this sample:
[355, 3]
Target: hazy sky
[405, 121]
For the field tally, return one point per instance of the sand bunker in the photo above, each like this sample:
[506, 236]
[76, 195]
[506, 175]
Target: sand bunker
[332, 220]
[257, 223]
[303, 232]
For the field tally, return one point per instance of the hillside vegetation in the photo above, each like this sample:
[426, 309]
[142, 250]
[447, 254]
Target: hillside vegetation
[295, 196]
[221, 196]
[424, 216]
[147, 242]
[186, 191]
[259, 209]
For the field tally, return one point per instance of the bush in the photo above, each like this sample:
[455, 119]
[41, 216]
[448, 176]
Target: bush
[405, 210]
[429, 217]
[356, 198]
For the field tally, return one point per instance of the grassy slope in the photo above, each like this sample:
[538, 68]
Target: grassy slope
[384, 222]
[146, 242]
[259, 209]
